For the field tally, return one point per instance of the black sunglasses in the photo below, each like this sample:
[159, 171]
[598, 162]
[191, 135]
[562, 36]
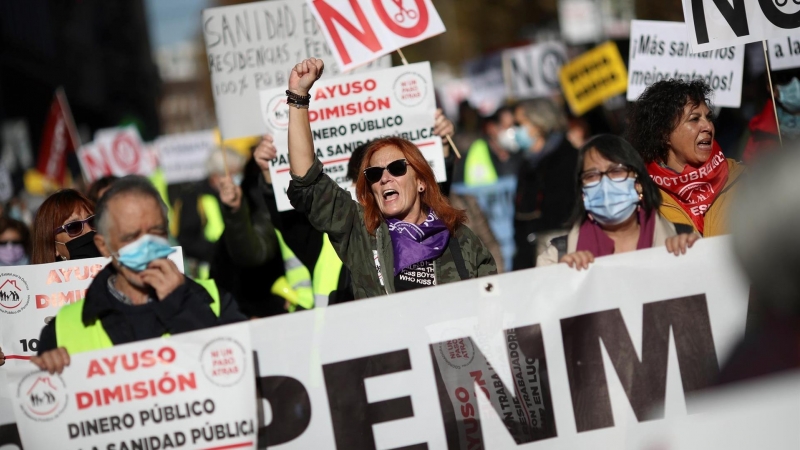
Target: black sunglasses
[396, 169]
[76, 228]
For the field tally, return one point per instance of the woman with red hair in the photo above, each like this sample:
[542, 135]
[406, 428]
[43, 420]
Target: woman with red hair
[402, 233]
[64, 228]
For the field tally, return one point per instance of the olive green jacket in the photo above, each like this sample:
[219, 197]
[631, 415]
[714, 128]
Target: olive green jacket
[370, 258]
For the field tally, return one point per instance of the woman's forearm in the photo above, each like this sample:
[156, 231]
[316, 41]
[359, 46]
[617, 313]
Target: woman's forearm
[301, 143]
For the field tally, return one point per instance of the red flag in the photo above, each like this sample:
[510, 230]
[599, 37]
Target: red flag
[59, 138]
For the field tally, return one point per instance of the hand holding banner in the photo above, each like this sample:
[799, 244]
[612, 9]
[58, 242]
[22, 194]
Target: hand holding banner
[193, 389]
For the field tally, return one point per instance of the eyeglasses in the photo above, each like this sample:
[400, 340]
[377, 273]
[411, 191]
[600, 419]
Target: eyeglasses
[76, 228]
[396, 169]
[617, 174]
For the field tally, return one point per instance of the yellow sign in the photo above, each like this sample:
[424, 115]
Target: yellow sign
[593, 77]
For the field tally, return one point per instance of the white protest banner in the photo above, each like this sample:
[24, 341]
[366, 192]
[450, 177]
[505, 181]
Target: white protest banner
[30, 296]
[714, 24]
[192, 390]
[252, 47]
[362, 30]
[532, 71]
[348, 111]
[562, 358]
[660, 51]
[116, 151]
[183, 156]
[784, 53]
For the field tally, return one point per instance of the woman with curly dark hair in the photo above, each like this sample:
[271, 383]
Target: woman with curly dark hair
[672, 127]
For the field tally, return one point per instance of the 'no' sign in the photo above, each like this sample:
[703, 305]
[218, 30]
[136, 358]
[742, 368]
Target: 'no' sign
[117, 151]
[360, 31]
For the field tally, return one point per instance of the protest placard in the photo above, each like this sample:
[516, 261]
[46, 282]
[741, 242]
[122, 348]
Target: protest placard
[116, 151]
[380, 27]
[183, 157]
[714, 24]
[30, 296]
[593, 77]
[192, 390]
[532, 71]
[487, 82]
[348, 111]
[660, 51]
[252, 47]
[784, 53]
[566, 359]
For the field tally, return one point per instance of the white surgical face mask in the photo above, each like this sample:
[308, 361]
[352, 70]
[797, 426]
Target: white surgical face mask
[508, 139]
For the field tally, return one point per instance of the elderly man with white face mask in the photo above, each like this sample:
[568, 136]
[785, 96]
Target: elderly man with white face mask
[139, 295]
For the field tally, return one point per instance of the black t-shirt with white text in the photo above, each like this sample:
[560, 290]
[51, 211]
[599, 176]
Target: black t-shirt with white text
[418, 275]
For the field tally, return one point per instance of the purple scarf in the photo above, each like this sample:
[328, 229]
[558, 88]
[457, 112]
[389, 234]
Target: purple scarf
[592, 238]
[415, 243]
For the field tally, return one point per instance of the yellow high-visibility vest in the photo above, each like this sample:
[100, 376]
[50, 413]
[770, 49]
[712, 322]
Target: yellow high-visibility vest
[297, 286]
[478, 167]
[76, 337]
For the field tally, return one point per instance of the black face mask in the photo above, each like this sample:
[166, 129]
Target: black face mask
[83, 247]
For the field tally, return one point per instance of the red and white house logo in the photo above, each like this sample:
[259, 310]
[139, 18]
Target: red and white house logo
[14, 296]
[42, 397]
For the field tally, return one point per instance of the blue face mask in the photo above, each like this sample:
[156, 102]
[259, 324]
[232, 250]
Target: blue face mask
[611, 202]
[790, 95]
[139, 253]
[523, 138]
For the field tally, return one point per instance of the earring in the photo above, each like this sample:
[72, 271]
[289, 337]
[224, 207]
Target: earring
[641, 196]
[421, 189]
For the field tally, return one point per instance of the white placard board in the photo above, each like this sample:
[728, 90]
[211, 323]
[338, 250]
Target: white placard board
[660, 51]
[532, 71]
[359, 31]
[350, 110]
[714, 24]
[252, 47]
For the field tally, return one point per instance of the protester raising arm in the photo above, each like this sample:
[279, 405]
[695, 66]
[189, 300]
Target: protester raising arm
[301, 143]
[397, 194]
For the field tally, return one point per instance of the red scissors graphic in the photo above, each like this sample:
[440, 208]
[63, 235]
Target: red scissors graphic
[400, 17]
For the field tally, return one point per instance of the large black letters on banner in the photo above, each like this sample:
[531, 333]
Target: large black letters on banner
[644, 381]
[735, 16]
[291, 410]
[351, 413]
[779, 18]
[531, 347]
[9, 435]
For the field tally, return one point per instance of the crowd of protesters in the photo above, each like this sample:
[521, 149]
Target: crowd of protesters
[558, 195]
